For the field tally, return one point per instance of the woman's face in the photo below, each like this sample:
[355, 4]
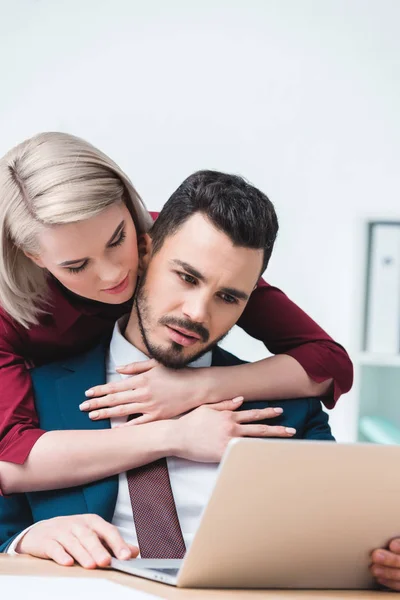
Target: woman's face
[96, 258]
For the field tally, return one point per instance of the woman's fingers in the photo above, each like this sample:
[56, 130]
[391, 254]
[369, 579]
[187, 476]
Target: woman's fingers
[123, 410]
[246, 430]
[115, 400]
[248, 427]
[227, 404]
[257, 414]
[122, 385]
[137, 367]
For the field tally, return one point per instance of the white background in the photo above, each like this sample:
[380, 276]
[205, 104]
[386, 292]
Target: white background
[302, 97]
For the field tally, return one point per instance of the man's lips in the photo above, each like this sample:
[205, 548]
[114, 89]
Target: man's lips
[182, 336]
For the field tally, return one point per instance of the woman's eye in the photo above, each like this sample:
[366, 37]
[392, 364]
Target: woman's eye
[119, 241]
[77, 269]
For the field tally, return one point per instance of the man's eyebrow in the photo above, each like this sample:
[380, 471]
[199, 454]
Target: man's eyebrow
[226, 290]
[237, 293]
[191, 270]
[67, 263]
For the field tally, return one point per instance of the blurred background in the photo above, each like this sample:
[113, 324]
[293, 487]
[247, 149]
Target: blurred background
[300, 96]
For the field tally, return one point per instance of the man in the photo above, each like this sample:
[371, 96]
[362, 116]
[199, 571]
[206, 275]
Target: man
[205, 254]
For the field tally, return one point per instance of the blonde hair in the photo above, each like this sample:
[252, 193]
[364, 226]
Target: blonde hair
[51, 179]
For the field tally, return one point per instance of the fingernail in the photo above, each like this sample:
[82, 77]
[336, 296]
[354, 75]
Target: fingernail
[94, 415]
[290, 430]
[238, 399]
[121, 367]
[84, 406]
[278, 410]
[124, 554]
[380, 556]
[395, 546]
[89, 393]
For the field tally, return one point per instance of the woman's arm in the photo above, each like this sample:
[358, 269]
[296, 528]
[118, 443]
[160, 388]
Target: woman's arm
[33, 459]
[61, 459]
[285, 329]
[308, 363]
[275, 378]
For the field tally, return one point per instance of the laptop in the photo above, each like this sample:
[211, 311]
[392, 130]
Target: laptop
[289, 514]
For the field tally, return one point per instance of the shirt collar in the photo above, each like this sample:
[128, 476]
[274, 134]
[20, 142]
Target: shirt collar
[123, 352]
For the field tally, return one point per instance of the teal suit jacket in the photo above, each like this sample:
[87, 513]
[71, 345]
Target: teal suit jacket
[59, 389]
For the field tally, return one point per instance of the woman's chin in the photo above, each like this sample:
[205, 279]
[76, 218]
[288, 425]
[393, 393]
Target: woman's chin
[124, 296]
[121, 293]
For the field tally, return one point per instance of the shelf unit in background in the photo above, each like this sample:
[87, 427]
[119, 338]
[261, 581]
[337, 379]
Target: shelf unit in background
[378, 374]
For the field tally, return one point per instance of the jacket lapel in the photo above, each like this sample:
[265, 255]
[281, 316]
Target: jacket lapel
[220, 358]
[81, 374]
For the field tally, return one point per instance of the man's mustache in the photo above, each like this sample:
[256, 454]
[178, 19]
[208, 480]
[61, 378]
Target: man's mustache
[188, 325]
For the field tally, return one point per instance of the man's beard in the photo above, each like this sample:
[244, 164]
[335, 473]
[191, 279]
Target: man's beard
[171, 356]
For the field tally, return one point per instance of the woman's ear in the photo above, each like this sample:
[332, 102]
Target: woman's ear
[36, 259]
[144, 251]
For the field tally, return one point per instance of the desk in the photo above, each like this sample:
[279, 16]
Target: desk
[25, 565]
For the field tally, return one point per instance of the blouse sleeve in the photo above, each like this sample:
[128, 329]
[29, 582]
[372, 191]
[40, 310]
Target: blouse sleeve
[270, 316]
[19, 427]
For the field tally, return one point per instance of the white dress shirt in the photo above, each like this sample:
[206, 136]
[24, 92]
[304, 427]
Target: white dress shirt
[191, 482]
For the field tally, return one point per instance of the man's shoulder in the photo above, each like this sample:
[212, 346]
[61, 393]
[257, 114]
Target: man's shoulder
[72, 363]
[223, 358]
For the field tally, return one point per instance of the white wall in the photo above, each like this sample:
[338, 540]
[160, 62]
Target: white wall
[300, 96]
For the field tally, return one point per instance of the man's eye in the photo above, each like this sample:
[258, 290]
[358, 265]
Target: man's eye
[228, 299]
[187, 278]
[77, 269]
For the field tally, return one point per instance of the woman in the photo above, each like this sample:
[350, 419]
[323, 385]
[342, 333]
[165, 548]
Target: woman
[55, 192]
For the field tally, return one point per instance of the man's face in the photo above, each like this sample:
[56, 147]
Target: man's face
[194, 290]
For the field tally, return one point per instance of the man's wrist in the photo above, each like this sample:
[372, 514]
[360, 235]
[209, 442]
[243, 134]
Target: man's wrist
[16, 546]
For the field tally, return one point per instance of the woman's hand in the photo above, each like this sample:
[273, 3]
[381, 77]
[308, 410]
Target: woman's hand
[152, 390]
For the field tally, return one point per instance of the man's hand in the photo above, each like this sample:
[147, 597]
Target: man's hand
[385, 565]
[87, 539]
[203, 434]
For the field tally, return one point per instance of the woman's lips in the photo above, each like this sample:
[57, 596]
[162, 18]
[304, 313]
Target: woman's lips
[118, 289]
[181, 337]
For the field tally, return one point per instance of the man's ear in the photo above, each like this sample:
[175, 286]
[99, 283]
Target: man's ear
[36, 259]
[144, 251]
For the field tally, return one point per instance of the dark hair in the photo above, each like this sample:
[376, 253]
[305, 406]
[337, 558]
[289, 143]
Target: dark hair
[233, 205]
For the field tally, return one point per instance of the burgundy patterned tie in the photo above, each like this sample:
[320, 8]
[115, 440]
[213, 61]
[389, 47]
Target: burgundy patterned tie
[154, 511]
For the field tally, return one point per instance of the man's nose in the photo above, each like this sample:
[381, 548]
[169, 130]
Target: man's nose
[196, 309]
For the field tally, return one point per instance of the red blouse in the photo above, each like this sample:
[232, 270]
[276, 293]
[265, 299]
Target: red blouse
[75, 325]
